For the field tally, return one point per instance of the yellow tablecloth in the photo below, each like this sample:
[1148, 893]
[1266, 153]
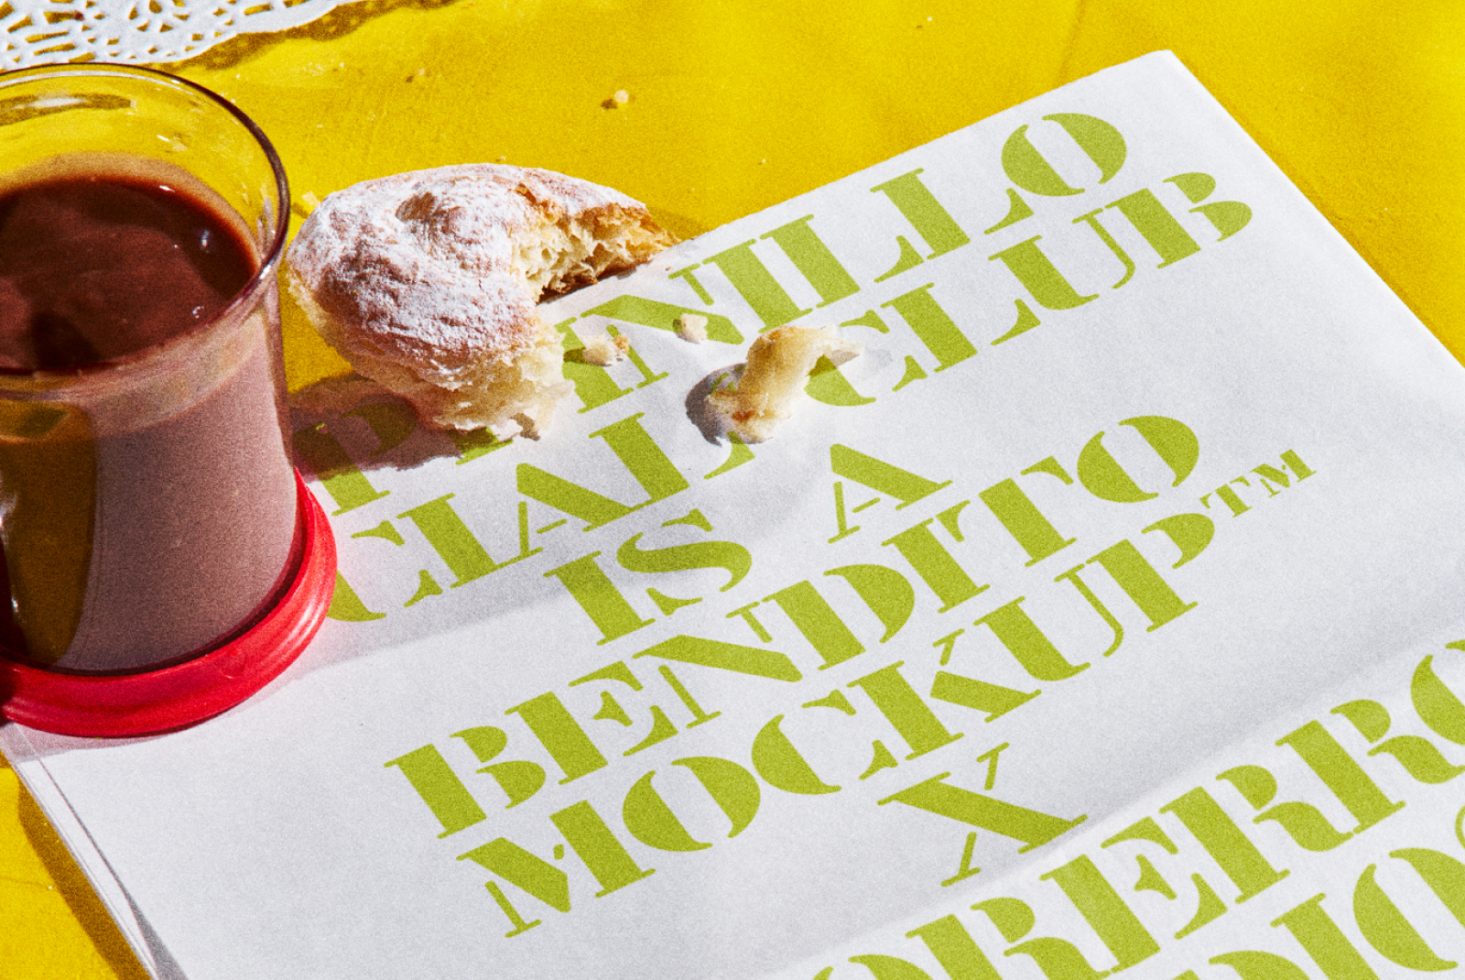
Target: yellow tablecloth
[737, 105]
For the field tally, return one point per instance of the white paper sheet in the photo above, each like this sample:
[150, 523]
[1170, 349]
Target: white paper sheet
[1142, 470]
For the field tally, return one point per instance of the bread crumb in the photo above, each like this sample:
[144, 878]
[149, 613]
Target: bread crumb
[305, 204]
[618, 98]
[778, 367]
[604, 349]
[691, 327]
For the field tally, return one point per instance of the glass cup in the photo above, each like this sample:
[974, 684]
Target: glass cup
[148, 504]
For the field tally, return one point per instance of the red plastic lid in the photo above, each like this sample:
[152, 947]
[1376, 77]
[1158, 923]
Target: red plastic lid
[174, 697]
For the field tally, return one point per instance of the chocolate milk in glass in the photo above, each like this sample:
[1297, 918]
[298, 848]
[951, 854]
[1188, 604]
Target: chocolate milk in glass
[147, 499]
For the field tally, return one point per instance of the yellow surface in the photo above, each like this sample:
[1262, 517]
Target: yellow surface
[734, 106]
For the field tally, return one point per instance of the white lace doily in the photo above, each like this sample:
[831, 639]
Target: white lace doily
[39, 32]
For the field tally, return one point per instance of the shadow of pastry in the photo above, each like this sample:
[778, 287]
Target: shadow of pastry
[350, 423]
[699, 410]
[683, 226]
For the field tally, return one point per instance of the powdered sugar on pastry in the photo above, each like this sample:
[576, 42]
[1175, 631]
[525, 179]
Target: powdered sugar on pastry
[778, 367]
[427, 283]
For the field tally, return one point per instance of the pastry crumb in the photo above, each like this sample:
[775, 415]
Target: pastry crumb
[777, 369]
[617, 99]
[305, 204]
[691, 327]
[604, 349]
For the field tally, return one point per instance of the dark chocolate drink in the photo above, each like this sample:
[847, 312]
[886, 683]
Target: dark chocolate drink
[147, 500]
[95, 267]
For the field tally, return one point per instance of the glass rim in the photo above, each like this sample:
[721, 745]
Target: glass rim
[269, 259]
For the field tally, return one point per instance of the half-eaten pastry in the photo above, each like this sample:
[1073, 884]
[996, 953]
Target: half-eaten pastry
[427, 282]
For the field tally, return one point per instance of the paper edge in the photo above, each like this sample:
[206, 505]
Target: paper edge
[30, 768]
[1355, 255]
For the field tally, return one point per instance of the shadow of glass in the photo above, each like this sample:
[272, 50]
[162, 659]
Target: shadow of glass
[347, 427]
